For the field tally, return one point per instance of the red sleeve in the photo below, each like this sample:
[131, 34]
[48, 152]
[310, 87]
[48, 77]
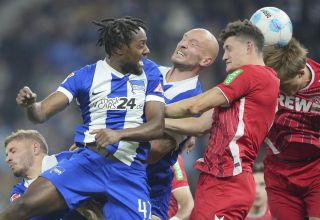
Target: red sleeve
[180, 176]
[237, 83]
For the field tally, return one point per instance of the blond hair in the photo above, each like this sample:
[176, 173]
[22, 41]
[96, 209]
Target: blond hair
[28, 135]
[288, 60]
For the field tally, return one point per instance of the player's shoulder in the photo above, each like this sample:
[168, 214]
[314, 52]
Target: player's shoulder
[63, 155]
[315, 66]
[87, 69]
[151, 68]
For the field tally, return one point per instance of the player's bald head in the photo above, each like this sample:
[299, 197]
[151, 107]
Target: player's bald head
[208, 41]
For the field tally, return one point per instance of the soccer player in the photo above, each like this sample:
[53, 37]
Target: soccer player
[196, 51]
[181, 201]
[292, 171]
[244, 109]
[122, 105]
[27, 156]
[259, 209]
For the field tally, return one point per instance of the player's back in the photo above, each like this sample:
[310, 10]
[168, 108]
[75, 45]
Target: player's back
[295, 133]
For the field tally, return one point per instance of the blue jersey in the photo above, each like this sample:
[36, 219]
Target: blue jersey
[174, 92]
[110, 99]
[47, 163]
[160, 174]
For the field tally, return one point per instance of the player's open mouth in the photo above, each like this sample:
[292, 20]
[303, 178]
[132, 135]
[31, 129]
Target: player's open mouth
[180, 53]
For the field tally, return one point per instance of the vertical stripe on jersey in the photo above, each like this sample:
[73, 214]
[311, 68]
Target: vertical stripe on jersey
[127, 150]
[271, 146]
[234, 147]
[101, 82]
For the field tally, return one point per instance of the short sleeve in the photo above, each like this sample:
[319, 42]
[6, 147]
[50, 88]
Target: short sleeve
[236, 84]
[74, 81]
[180, 176]
[155, 87]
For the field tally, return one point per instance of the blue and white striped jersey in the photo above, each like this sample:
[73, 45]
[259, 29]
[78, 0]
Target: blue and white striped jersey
[174, 92]
[47, 163]
[110, 99]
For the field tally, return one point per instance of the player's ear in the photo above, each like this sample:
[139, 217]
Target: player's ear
[207, 61]
[250, 46]
[36, 148]
[301, 73]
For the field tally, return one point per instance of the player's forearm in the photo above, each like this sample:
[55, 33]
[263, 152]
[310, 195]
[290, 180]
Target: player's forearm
[148, 131]
[35, 113]
[182, 109]
[161, 147]
[186, 126]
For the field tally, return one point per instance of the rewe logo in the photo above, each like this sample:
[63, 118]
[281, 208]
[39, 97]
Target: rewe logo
[298, 104]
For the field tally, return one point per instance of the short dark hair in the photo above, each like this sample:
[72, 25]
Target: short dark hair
[114, 33]
[243, 29]
[20, 135]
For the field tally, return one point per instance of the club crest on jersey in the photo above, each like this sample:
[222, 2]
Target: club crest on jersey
[232, 76]
[137, 86]
[58, 170]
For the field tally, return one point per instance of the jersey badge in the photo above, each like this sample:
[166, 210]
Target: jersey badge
[232, 76]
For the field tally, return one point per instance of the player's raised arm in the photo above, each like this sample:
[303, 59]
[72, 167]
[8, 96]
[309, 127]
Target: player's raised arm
[39, 112]
[196, 105]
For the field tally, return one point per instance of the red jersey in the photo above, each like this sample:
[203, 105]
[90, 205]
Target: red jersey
[238, 131]
[295, 134]
[266, 216]
[179, 181]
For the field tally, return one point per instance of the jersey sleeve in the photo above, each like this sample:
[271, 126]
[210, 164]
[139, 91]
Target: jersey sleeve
[17, 191]
[155, 87]
[180, 176]
[236, 84]
[74, 81]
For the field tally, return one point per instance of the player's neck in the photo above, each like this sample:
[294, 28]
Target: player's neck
[175, 74]
[115, 64]
[35, 170]
[256, 60]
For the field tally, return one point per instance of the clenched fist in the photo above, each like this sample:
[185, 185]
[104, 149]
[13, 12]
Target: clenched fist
[26, 97]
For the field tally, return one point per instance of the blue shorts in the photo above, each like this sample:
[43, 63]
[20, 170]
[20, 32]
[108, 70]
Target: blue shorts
[88, 175]
[160, 192]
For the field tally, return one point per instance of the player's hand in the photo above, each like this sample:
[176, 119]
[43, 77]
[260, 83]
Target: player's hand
[106, 136]
[26, 97]
[189, 144]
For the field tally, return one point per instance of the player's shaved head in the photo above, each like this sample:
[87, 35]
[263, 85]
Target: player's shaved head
[197, 50]
[208, 41]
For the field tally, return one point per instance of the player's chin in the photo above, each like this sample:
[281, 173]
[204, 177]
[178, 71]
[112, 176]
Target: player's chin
[138, 71]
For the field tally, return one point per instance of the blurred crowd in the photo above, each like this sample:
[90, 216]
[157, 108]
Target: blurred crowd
[41, 41]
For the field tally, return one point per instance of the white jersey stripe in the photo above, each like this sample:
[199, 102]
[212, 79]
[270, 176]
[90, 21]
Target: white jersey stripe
[271, 146]
[234, 147]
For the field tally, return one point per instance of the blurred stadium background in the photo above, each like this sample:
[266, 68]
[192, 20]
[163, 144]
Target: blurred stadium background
[41, 41]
